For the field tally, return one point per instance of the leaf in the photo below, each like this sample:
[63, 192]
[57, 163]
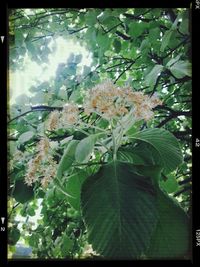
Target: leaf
[181, 69]
[85, 148]
[13, 235]
[136, 29]
[147, 152]
[165, 40]
[117, 45]
[67, 158]
[73, 188]
[170, 185]
[118, 207]
[103, 41]
[172, 61]
[22, 100]
[78, 58]
[184, 26]
[154, 34]
[129, 156]
[171, 237]
[76, 96]
[66, 245]
[25, 137]
[22, 193]
[166, 145]
[153, 75]
[19, 38]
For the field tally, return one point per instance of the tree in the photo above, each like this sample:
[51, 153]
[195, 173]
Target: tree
[108, 173]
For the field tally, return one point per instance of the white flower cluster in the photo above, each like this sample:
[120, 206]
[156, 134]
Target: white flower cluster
[110, 101]
[42, 165]
[68, 116]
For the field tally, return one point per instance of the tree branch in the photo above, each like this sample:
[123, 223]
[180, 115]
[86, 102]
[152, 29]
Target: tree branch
[123, 36]
[36, 108]
[127, 68]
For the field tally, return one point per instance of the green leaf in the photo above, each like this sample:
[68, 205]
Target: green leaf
[34, 240]
[90, 18]
[166, 145]
[153, 75]
[172, 61]
[170, 185]
[118, 207]
[165, 40]
[31, 211]
[147, 152]
[67, 158]
[184, 26]
[154, 34]
[103, 41]
[73, 188]
[76, 96]
[22, 193]
[129, 156]
[136, 29]
[181, 69]
[150, 171]
[25, 137]
[171, 237]
[13, 235]
[85, 148]
[19, 38]
[66, 245]
[117, 45]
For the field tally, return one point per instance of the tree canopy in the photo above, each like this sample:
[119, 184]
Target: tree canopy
[146, 49]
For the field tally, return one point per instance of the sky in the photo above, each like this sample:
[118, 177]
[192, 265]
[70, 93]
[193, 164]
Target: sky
[21, 81]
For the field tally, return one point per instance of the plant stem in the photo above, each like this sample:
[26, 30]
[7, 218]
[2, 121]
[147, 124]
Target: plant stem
[114, 142]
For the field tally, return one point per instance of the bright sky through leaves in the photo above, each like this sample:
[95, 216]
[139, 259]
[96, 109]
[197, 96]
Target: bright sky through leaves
[21, 81]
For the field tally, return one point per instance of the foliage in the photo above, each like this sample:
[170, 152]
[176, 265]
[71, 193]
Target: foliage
[113, 182]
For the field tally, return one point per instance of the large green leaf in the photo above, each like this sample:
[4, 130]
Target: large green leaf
[126, 155]
[119, 210]
[67, 158]
[171, 237]
[166, 145]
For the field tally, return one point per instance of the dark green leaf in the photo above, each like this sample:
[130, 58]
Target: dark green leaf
[22, 193]
[166, 145]
[119, 211]
[13, 235]
[117, 45]
[66, 245]
[171, 237]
